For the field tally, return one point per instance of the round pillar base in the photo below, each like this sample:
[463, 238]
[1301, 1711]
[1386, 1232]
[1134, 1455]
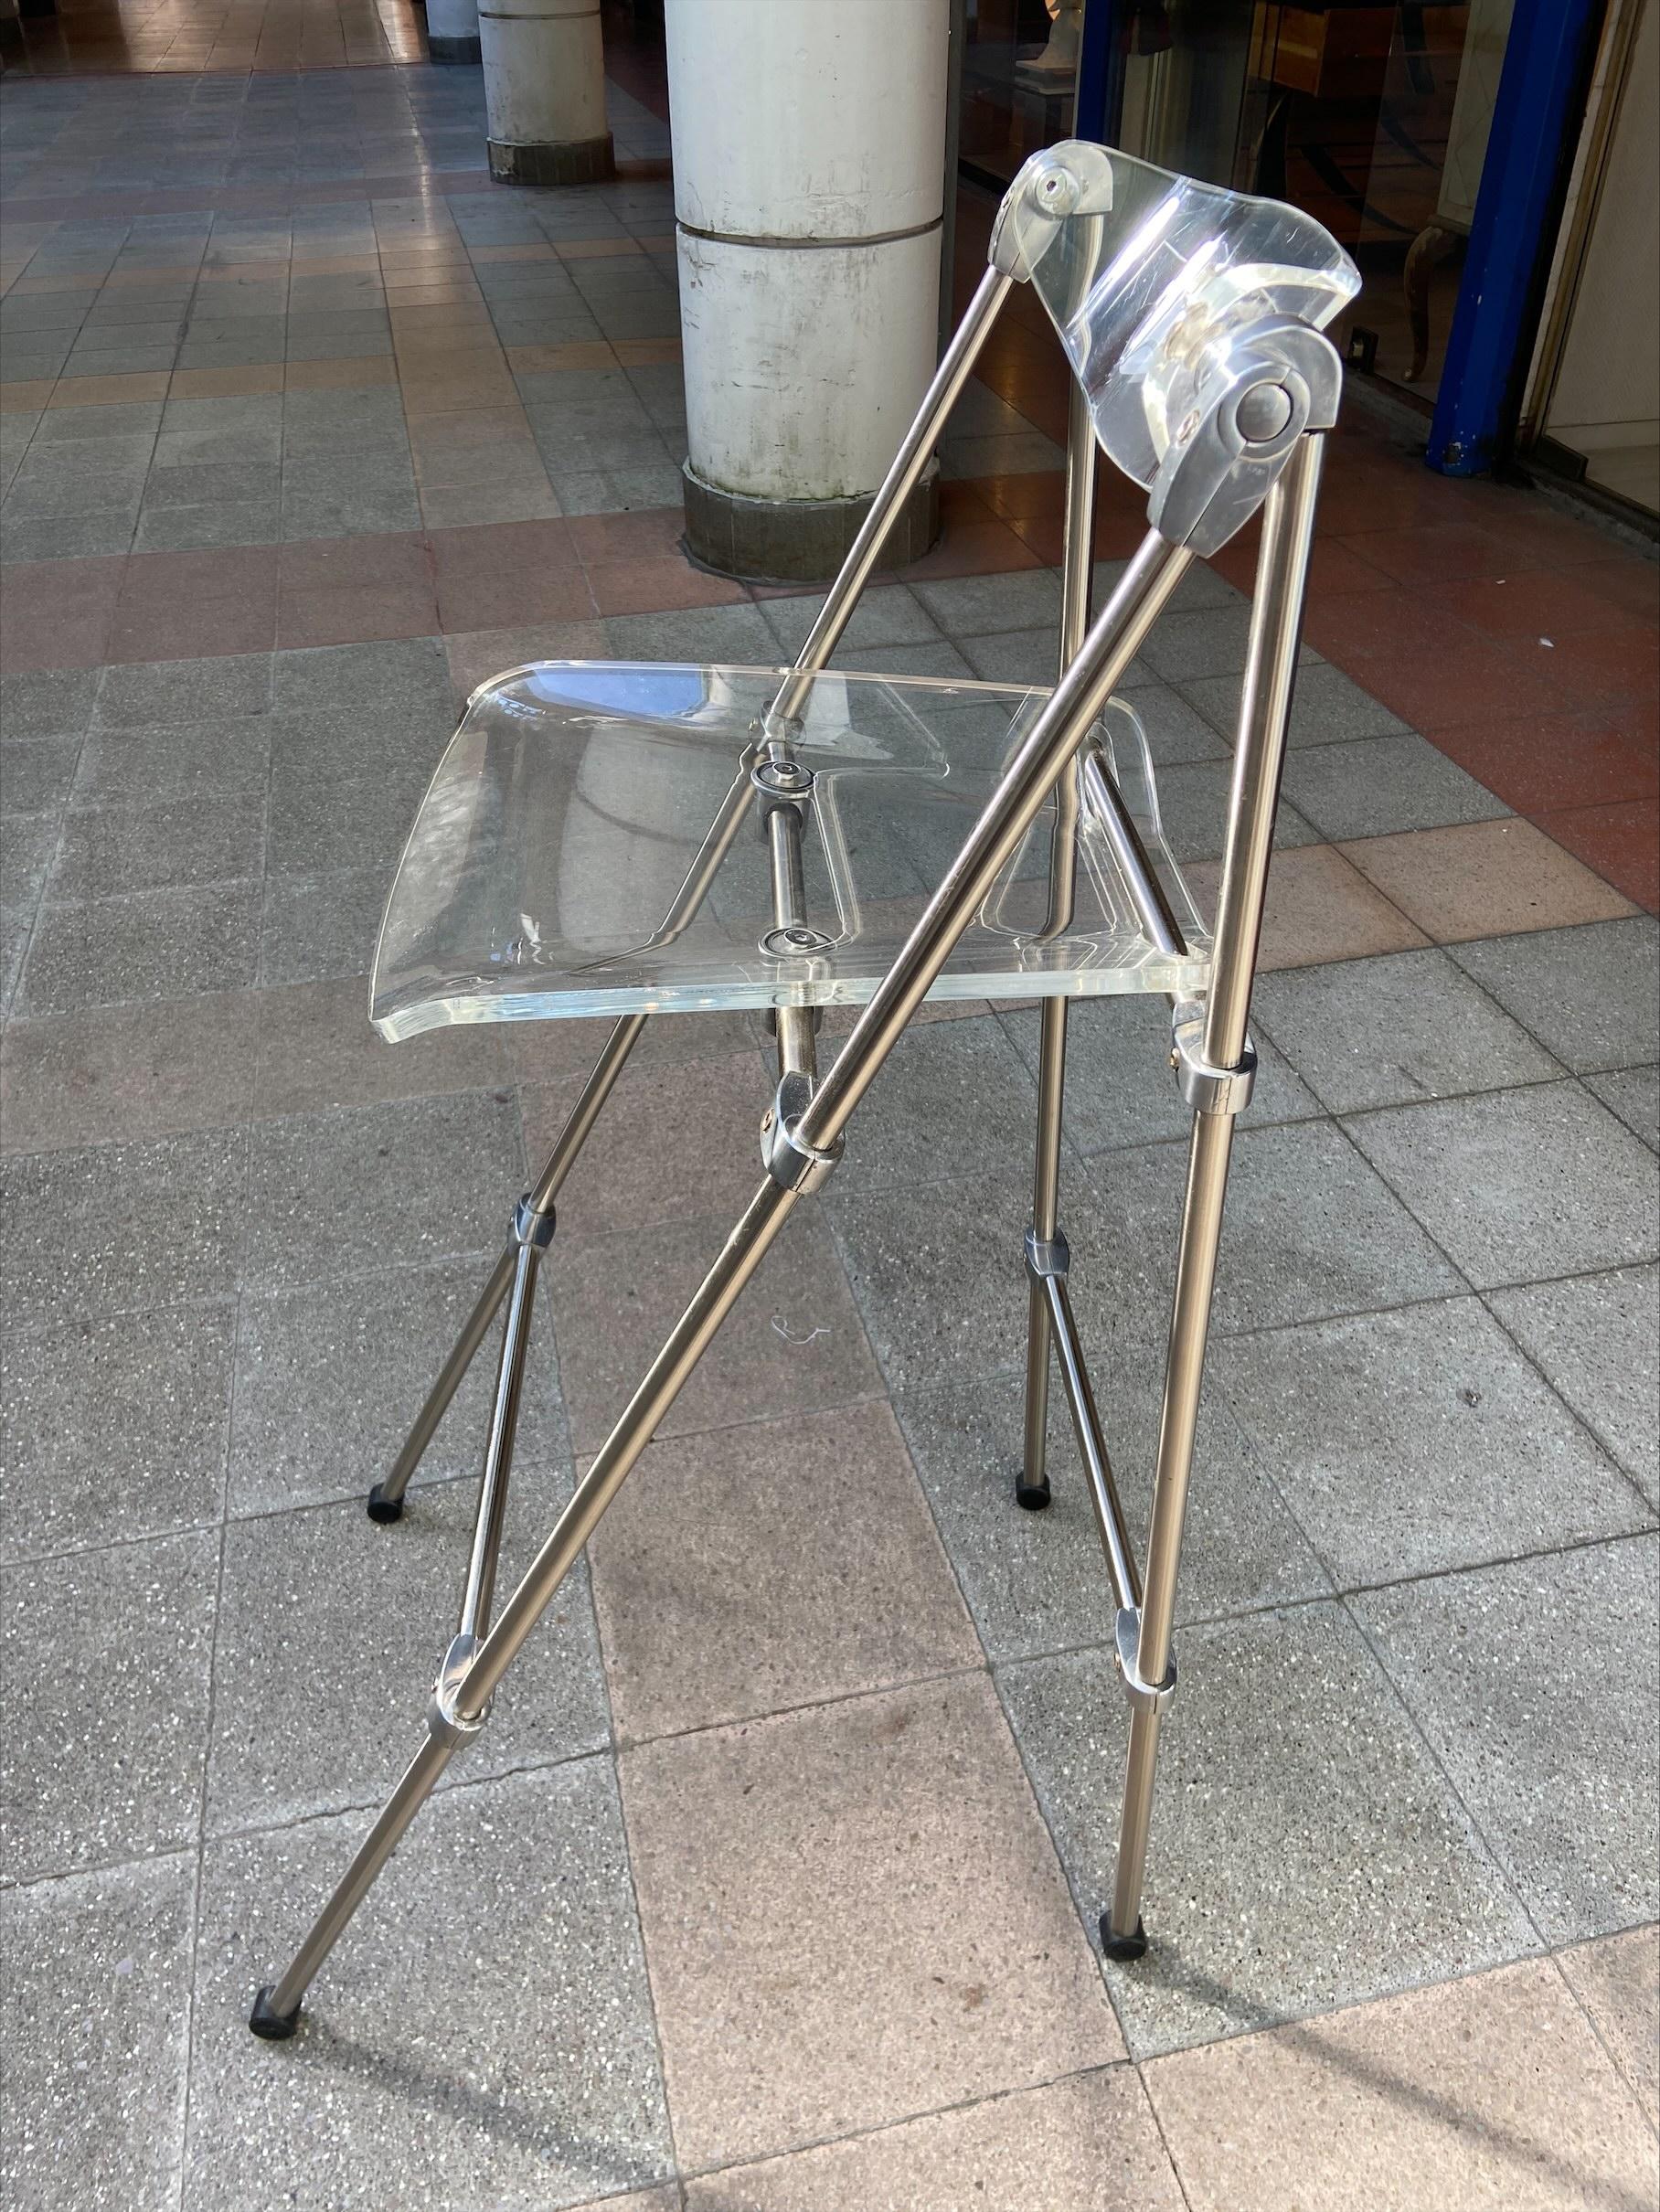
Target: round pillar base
[588, 161]
[798, 541]
[454, 49]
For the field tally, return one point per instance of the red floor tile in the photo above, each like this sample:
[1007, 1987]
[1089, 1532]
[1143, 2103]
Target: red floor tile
[1622, 842]
[1539, 762]
[1463, 681]
[658, 586]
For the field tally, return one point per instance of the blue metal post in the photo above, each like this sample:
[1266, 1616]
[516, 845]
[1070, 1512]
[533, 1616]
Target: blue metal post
[1094, 114]
[1536, 125]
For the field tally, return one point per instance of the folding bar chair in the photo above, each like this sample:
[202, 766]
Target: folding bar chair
[581, 851]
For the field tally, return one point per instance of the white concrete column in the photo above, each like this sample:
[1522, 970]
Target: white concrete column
[809, 146]
[453, 30]
[545, 91]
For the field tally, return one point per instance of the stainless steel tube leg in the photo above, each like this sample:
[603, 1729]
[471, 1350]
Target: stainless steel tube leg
[276, 2007]
[472, 1672]
[1032, 1488]
[1214, 1063]
[386, 1499]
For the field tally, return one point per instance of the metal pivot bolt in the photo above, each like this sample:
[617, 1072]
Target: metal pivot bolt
[1147, 1696]
[788, 1158]
[445, 1719]
[1207, 1089]
[1046, 1256]
[531, 1226]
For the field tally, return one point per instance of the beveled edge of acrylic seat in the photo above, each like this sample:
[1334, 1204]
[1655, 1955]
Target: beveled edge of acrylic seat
[460, 1005]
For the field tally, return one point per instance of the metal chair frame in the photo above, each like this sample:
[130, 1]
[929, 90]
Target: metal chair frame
[803, 1131]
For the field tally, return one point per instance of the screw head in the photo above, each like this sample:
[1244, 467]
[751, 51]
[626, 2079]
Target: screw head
[1263, 413]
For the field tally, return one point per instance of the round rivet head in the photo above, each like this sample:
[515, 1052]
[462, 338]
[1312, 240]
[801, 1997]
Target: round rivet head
[1263, 413]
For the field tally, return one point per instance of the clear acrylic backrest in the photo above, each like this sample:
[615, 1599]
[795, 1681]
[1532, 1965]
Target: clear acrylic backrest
[1155, 280]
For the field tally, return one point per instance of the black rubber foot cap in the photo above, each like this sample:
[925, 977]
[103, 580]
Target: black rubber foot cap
[264, 2020]
[1032, 1497]
[383, 1508]
[1122, 1946]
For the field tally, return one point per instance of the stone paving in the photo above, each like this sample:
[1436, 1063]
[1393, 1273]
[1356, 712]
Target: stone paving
[773, 1885]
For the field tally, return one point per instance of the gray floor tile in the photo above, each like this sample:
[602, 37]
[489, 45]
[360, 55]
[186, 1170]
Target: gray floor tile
[1013, 657]
[320, 926]
[1534, 1682]
[27, 844]
[1384, 1032]
[153, 762]
[113, 1429]
[1035, 1582]
[506, 1902]
[1378, 785]
[701, 633]
[66, 537]
[622, 488]
[1591, 994]
[290, 1740]
[37, 774]
[1194, 804]
[121, 1228]
[319, 826]
[1327, 706]
[333, 496]
[1594, 1337]
[1633, 1093]
[1307, 1850]
[377, 1187]
[976, 606]
[110, 851]
[890, 615]
[1410, 1442]
[153, 945]
[1175, 731]
[1119, 1089]
[402, 679]
[48, 702]
[97, 1973]
[108, 1656]
[1310, 1231]
[329, 1381]
[794, 1343]
[215, 522]
[952, 1099]
[938, 1274]
[184, 691]
[1186, 647]
[1519, 1185]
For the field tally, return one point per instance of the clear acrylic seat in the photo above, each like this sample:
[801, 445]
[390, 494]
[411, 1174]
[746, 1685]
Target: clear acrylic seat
[573, 803]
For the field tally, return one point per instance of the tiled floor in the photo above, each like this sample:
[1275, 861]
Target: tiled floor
[772, 1886]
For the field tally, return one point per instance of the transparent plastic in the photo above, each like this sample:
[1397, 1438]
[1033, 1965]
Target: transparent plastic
[1154, 281]
[545, 873]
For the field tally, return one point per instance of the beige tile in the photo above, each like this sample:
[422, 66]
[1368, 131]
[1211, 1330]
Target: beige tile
[217, 383]
[673, 1145]
[1485, 880]
[353, 374]
[645, 2200]
[1319, 908]
[1617, 1979]
[1489, 2094]
[754, 1568]
[121, 1073]
[1090, 2144]
[642, 353]
[115, 391]
[575, 353]
[24, 395]
[853, 1915]
[317, 1050]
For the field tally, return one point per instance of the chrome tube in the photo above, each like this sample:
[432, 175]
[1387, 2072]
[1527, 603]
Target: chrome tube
[897, 486]
[1113, 641]
[492, 1511]
[388, 1494]
[280, 2003]
[1105, 801]
[1078, 547]
[714, 1299]
[1264, 715]
[1086, 1427]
